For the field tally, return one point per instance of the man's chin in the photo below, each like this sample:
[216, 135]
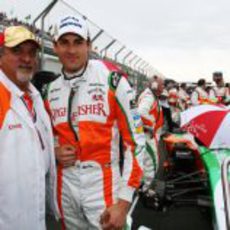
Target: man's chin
[24, 78]
[73, 68]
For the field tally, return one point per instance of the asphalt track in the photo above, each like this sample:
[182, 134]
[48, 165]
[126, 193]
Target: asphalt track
[175, 218]
[183, 218]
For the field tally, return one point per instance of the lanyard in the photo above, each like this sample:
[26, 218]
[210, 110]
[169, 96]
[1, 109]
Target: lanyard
[28, 102]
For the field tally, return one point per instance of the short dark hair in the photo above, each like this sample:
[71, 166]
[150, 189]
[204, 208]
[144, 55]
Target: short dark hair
[183, 85]
[201, 82]
[217, 76]
[217, 73]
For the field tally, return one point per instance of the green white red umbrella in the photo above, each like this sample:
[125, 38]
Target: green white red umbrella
[208, 123]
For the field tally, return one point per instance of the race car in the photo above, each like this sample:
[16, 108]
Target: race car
[193, 176]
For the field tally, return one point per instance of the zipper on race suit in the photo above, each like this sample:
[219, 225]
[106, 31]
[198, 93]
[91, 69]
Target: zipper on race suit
[70, 105]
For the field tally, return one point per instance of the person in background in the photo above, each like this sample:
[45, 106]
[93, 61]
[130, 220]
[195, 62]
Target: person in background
[26, 141]
[199, 95]
[219, 92]
[152, 116]
[184, 99]
[174, 103]
[168, 122]
[91, 106]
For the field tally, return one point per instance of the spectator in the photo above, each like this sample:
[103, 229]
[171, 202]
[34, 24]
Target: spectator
[184, 99]
[152, 117]
[199, 95]
[219, 92]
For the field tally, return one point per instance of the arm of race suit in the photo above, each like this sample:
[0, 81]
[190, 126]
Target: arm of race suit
[131, 129]
[146, 104]
[149, 163]
[144, 107]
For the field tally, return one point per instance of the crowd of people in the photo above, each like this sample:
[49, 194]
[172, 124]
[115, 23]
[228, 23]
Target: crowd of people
[67, 141]
[179, 97]
[6, 21]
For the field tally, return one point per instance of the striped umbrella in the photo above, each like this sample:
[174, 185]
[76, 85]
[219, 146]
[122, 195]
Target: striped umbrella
[208, 123]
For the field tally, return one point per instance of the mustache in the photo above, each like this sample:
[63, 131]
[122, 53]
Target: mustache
[25, 67]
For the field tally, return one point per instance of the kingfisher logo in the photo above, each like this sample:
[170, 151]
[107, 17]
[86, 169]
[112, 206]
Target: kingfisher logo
[60, 112]
[14, 126]
[95, 109]
[82, 110]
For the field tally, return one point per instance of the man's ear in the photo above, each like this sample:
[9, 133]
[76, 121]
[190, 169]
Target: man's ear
[55, 47]
[89, 43]
[1, 53]
[89, 47]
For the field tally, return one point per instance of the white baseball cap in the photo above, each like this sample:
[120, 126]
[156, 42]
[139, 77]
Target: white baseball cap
[72, 24]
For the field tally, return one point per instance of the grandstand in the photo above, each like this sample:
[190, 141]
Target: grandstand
[104, 46]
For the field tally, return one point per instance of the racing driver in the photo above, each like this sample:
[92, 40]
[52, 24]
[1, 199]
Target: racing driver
[91, 105]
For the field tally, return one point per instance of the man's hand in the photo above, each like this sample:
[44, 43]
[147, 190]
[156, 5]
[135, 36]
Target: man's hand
[66, 155]
[114, 217]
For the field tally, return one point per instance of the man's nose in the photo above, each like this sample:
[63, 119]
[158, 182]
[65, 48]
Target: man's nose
[26, 58]
[72, 49]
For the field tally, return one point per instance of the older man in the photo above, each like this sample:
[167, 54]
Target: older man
[26, 142]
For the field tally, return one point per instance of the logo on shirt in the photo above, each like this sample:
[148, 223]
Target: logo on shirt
[97, 90]
[115, 79]
[55, 90]
[54, 99]
[132, 104]
[138, 125]
[14, 126]
[97, 97]
[82, 110]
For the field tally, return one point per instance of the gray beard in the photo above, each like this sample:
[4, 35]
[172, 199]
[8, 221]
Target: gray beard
[22, 77]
